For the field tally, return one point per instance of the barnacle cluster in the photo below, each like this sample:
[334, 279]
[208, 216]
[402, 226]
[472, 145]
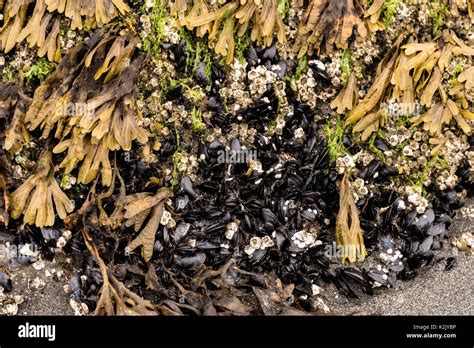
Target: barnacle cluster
[235, 88]
[260, 19]
[257, 243]
[305, 86]
[42, 28]
[284, 109]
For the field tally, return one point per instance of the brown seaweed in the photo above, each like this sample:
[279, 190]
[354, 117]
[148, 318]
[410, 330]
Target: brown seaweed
[349, 236]
[260, 19]
[413, 72]
[42, 28]
[90, 104]
[331, 23]
[37, 195]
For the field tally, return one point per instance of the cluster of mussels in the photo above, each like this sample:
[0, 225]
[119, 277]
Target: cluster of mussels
[176, 183]
[241, 232]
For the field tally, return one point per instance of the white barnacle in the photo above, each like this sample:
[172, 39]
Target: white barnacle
[299, 133]
[305, 240]
[231, 228]
[255, 242]
[267, 242]
[165, 218]
[249, 250]
[316, 290]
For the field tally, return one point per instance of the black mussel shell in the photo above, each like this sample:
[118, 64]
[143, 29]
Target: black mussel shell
[189, 262]
[180, 232]
[50, 234]
[187, 186]
[75, 287]
[436, 229]
[378, 276]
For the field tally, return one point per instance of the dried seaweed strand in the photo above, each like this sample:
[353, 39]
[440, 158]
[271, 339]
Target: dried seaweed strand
[349, 235]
